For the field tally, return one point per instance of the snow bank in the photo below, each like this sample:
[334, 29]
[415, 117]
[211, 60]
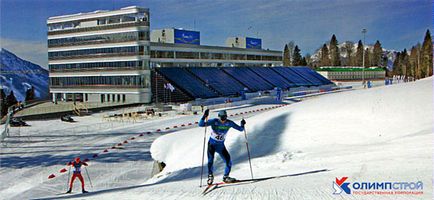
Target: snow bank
[384, 130]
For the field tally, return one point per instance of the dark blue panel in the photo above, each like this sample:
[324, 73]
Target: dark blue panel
[305, 72]
[218, 80]
[293, 76]
[244, 75]
[187, 37]
[253, 43]
[187, 82]
[324, 80]
[272, 77]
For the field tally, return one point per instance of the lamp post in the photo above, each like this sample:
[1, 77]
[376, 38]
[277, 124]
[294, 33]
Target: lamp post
[363, 67]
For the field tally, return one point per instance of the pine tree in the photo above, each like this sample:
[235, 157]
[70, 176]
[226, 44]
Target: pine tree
[296, 57]
[325, 58]
[335, 56]
[404, 63]
[427, 56]
[286, 56]
[303, 62]
[413, 62]
[377, 53]
[367, 57]
[359, 54]
[396, 64]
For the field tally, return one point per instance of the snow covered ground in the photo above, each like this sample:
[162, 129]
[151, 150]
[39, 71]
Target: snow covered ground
[382, 134]
[32, 153]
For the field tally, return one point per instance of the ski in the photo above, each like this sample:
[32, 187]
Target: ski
[213, 186]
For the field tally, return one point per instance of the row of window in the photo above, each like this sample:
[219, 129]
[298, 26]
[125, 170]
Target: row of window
[103, 38]
[100, 65]
[102, 21]
[140, 50]
[106, 98]
[99, 28]
[206, 55]
[127, 81]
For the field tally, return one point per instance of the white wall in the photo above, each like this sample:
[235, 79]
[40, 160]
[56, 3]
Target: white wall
[157, 35]
[232, 42]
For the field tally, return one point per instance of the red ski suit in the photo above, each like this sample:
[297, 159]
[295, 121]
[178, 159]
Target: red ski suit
[77, 173]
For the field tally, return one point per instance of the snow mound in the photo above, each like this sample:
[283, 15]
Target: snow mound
[367, 134]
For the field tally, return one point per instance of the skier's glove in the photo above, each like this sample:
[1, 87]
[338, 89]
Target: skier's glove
[205, 114]
[243, 122]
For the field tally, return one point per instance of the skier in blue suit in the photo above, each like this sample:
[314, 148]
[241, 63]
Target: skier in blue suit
[220, 127]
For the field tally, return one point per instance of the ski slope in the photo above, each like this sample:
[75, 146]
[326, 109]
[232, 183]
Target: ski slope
[34, 152]
[379, 134]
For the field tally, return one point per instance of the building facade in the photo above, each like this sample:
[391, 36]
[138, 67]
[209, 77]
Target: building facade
[352, 73]
[107, 56]
[188, 55]
[102, 56]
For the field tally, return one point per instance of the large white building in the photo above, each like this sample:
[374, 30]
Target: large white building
[107, 56]
[102, 56]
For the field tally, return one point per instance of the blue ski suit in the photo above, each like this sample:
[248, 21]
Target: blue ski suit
[216, 141]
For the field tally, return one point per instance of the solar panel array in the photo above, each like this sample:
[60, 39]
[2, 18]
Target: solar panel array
[217, 79]
[208, 82]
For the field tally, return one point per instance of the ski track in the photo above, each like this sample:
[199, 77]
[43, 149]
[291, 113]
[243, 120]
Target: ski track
[370, 140]
[32, 144]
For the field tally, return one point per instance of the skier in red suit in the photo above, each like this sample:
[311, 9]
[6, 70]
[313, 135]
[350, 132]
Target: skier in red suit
[76, 164]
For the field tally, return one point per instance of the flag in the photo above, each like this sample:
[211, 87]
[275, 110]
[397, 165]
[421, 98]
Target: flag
[170, 87]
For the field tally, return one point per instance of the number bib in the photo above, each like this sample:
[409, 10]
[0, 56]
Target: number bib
[218, 137]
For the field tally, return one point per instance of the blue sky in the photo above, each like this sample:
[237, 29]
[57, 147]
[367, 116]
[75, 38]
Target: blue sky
[398, 24]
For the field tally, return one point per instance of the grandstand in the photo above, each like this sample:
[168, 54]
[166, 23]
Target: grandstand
[190, 83]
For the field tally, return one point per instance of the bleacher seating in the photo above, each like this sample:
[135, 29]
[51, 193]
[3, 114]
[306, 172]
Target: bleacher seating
[217, 79]
[316, 74]
[210, 82]
[308, 73]
[273, 77]
[183, 79]
[250, 79]
[293, 76]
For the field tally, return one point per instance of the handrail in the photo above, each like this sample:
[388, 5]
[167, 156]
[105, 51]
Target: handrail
[98, 28]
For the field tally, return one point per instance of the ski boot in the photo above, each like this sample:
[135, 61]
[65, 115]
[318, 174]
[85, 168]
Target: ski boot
[69, 191]
[210, 179]
[84, 191]
[228, 179]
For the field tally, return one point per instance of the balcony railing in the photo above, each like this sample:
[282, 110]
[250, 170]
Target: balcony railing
[93, 42]
[97, 86]
[97, 55]
[97, 69]
[99, 28]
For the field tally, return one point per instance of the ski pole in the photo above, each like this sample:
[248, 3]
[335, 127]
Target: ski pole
[69, 173]
[248, 152]
[203, 153]
[88, 177]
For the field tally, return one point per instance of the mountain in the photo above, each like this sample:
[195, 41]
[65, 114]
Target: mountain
[19, 75]
[391, 54]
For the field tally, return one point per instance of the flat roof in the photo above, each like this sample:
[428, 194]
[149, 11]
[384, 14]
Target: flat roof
[95, 14]
[349, 69]
[208, 47]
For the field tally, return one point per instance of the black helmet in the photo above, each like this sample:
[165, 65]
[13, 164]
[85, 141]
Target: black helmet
[223, 115]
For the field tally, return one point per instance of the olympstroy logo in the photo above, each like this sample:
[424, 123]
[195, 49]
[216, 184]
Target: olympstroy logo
[339, 185]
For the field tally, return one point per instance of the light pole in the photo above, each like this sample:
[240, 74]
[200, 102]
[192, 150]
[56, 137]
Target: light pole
[363, 65]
